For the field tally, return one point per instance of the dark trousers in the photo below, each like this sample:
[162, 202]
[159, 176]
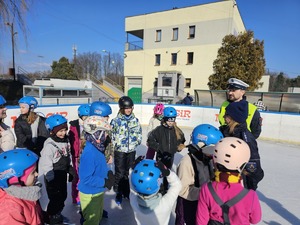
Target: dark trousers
[185, 211]
[254, 174]
[123, 162]
[57, 192]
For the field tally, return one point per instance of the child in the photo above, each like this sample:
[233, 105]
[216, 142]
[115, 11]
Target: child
[126, 136]
[94, 176]
[166, 140]
[195, 169]
[30, 129]
[18, 193]
[235, 119]
[75, 137]
[55, 164]
[154, 122]
[148, 205]
[230, 157]
[7, 138]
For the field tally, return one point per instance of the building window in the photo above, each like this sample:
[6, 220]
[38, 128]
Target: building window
[188, 82]
[158, 35]
[175, 34]
[157, 59]
[167, 81]
[190, 57]
[192, 31]
[174, 59]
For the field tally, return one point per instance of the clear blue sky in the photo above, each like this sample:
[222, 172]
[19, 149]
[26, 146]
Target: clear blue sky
[93, 25]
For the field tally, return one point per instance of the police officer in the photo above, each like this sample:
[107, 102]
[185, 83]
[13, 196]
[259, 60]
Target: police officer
[236, 90]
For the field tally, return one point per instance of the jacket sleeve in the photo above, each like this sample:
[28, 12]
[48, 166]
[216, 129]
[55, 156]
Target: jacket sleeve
[46, 159]
[7, 140]
[255, 124]
[186, 174]
[256, 214]
[74, 142]
[21, 138]
[174, 188]
[202, 214]
[152, 140]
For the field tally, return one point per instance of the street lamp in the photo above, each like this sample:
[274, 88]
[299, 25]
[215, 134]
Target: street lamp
[107, 68]
[13, 47]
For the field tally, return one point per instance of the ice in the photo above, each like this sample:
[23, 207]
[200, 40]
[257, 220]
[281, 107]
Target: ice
[278, 192]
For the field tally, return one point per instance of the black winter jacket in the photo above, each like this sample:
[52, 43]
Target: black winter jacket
[24, 134]
[163, 139]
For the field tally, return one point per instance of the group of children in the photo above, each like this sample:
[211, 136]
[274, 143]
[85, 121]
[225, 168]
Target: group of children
[225, 160]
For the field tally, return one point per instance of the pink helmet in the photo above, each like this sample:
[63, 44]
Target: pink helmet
[232, 153]
[159, 109]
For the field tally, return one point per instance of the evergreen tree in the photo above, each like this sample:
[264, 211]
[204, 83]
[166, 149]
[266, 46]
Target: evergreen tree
[241, 57]
[63, 69]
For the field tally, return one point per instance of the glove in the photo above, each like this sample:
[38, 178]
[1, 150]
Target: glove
[110, 180]
[164, 170]
[138, 160]
[71, 173]
[180, 147]
[49, 176]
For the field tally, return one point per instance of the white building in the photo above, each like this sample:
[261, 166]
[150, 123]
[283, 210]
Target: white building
[170, 53]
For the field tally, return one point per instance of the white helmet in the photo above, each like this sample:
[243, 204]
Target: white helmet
[232, 153]
[95, 123]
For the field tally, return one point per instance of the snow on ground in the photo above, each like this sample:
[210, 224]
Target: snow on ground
[278, 192]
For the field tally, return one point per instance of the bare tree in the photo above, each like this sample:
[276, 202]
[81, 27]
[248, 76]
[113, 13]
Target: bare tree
[88, 66]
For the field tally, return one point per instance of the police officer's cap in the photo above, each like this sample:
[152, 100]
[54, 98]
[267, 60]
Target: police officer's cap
[234, 83]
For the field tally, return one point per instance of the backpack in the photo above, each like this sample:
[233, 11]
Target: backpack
[225, 206]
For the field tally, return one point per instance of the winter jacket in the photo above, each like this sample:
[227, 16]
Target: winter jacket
[163, 139]
[161, 213]
[19, 206]
[24, 134]
[50, 158]
[7, 138]
[74, 137]
[246, 211]
[241, 131]
[153, 123]
[186, 174]
[126, 133]
[92, 170]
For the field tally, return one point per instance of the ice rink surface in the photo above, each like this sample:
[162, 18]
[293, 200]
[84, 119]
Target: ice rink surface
[279, 191]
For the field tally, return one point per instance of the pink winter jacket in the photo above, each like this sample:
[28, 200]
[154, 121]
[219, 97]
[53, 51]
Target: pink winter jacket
[15, 211]
[244, 212]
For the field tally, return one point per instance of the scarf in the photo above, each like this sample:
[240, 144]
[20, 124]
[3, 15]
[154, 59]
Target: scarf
[228, 177]
[30, 193]
[149, 203]
[96, 140]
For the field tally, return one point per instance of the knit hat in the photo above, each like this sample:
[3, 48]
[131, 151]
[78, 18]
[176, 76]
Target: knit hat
[59, 127]
[238, 111]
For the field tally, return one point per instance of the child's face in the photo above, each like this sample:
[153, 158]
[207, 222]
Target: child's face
[84, 118]
[170, 123]
[61, 133]
[24, 108]
[32, 177]
[128, 111]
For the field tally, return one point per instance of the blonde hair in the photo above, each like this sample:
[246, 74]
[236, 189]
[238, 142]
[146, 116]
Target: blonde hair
[32, 117]
[232, 124]
[178, 132]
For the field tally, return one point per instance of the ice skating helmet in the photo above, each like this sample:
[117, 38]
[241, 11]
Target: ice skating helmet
[84, 110]
[55, 121]
[15, 166]
[145, 177]
[207, 134]
[125, 102]
[232, 153]
[159, 109]
[94, 123]
[100, 109]
[2, 100]
[170, 112]
[29, 100]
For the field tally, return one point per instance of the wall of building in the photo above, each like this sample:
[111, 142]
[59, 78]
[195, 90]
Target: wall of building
[281, 127]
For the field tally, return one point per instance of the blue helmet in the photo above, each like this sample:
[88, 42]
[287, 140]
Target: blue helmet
[2, 100]
[54, 121]
[100, 109]
[13, 163]
[170, 112]
[84, 110]
[145, 177]
[29, 100]
[206, 133]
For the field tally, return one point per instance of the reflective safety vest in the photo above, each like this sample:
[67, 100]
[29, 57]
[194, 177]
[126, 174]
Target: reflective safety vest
[251, 110]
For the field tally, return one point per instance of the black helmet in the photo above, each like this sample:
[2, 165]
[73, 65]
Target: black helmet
[125, 102]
